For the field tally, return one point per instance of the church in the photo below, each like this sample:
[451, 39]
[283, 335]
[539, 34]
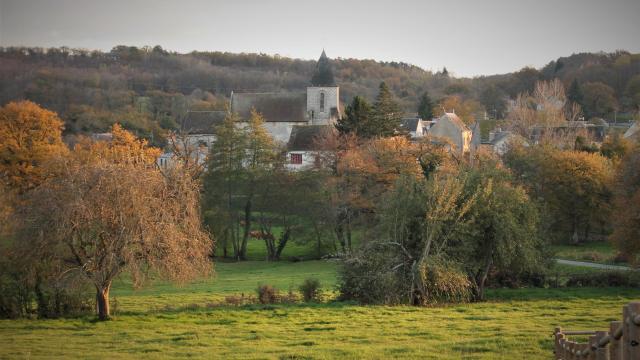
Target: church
[293, 119]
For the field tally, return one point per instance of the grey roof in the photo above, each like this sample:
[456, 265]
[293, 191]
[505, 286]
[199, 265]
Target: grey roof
[499, 136]
[455, 120]
[303, 137]
[410, 124]
[285, 107]
[202, 122]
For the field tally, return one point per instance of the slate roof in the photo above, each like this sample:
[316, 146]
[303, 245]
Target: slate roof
[202, 122]
[280, 107]
[303, 137]
[409, 124]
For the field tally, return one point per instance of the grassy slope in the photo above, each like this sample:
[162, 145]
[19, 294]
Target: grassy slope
[514, 324]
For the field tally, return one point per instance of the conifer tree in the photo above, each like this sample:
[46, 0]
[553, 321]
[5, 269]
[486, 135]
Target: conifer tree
[386, 113]
[323, 75]
[425, 108]
[357, 116]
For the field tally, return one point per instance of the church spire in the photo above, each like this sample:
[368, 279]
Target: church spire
[323, 74]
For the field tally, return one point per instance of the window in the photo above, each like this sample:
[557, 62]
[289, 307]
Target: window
[321, 102]
[296, 159]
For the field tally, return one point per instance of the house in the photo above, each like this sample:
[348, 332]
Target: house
[195, 137]
[415, 127]
[302, 152]
[499, 141]
[450, 126]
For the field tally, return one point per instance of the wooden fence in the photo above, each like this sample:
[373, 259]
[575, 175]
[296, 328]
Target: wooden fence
[621, 342]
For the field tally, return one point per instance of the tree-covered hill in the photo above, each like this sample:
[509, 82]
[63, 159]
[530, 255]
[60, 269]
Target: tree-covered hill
[149, 89]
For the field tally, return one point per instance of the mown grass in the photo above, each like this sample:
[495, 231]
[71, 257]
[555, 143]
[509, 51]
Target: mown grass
[513, 324]
[597, 252]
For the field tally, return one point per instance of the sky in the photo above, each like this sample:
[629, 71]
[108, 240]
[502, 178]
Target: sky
[469, 37]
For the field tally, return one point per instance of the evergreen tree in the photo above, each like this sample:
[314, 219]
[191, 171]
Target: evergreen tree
[425, 108]
[323, 75]
[357, 116]
[386, 113]
[575, 93]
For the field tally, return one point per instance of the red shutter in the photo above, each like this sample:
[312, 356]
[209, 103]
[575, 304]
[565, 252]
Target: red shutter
[296, 158]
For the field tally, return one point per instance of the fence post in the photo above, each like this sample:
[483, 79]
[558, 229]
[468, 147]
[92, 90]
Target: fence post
[632, 338]
[593, 342]
[625, 333]
[614, 345]
[601, 352]
[557, 348]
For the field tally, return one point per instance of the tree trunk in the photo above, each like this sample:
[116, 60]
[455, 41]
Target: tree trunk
[481, 279]
[102, 301]
[283, 242]
[247, 229]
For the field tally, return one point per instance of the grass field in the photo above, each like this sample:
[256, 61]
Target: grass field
[598, 252]
[167, 321]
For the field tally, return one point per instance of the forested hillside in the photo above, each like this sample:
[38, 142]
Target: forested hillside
[149, 89]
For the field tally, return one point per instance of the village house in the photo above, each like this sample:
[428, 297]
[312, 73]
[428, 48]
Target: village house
[449, 126]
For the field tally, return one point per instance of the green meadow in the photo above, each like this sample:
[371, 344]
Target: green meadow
[168, 321]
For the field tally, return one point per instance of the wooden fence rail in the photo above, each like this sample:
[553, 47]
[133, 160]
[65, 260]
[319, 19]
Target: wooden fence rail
[620, 342]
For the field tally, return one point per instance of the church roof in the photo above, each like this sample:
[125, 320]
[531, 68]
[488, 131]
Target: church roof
[275, 107]
[202, 122]
[303, 137]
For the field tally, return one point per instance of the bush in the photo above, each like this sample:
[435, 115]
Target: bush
[605, 279]
[310, 290]
[444, 283]
[267, 294]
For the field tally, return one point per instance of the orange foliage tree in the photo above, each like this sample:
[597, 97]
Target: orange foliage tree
[29, 137]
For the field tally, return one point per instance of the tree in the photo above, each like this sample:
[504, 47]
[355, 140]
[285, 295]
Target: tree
[626, 210]
[30, 136]
[109, 209]
[222, 184]
[502, 233]
[465, 109]
[357, 119]
[425, 107]
[575, 93]
[632, 92]
[323, 75]
[493, 100]
[599, 99]
[574, 187]
[387, 115]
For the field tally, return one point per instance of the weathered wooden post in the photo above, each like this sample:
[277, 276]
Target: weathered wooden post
[557, 348]
[593, 342]
[632, 337]
[601, 352]
[625, 332]
[615, 343]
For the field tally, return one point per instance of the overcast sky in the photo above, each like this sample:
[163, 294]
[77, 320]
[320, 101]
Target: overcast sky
[469, 37]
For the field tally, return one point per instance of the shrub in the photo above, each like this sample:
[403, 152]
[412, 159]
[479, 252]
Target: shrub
[444, 283]
[267, 294]
[310, 290]
[592, 256]
[605, 279]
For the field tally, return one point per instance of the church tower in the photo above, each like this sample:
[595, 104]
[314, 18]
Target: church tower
[323, 96]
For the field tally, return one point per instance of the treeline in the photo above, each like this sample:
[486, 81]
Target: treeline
[149, 89]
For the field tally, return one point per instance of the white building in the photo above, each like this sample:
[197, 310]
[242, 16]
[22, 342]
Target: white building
[449, 126]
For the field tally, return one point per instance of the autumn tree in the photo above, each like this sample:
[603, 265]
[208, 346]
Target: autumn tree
[30, 136]
[626, 207]
[465, 109]
[110, 210]
[574, 187]
[387, 114]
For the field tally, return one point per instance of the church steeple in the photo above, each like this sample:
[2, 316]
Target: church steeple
[323, 74]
